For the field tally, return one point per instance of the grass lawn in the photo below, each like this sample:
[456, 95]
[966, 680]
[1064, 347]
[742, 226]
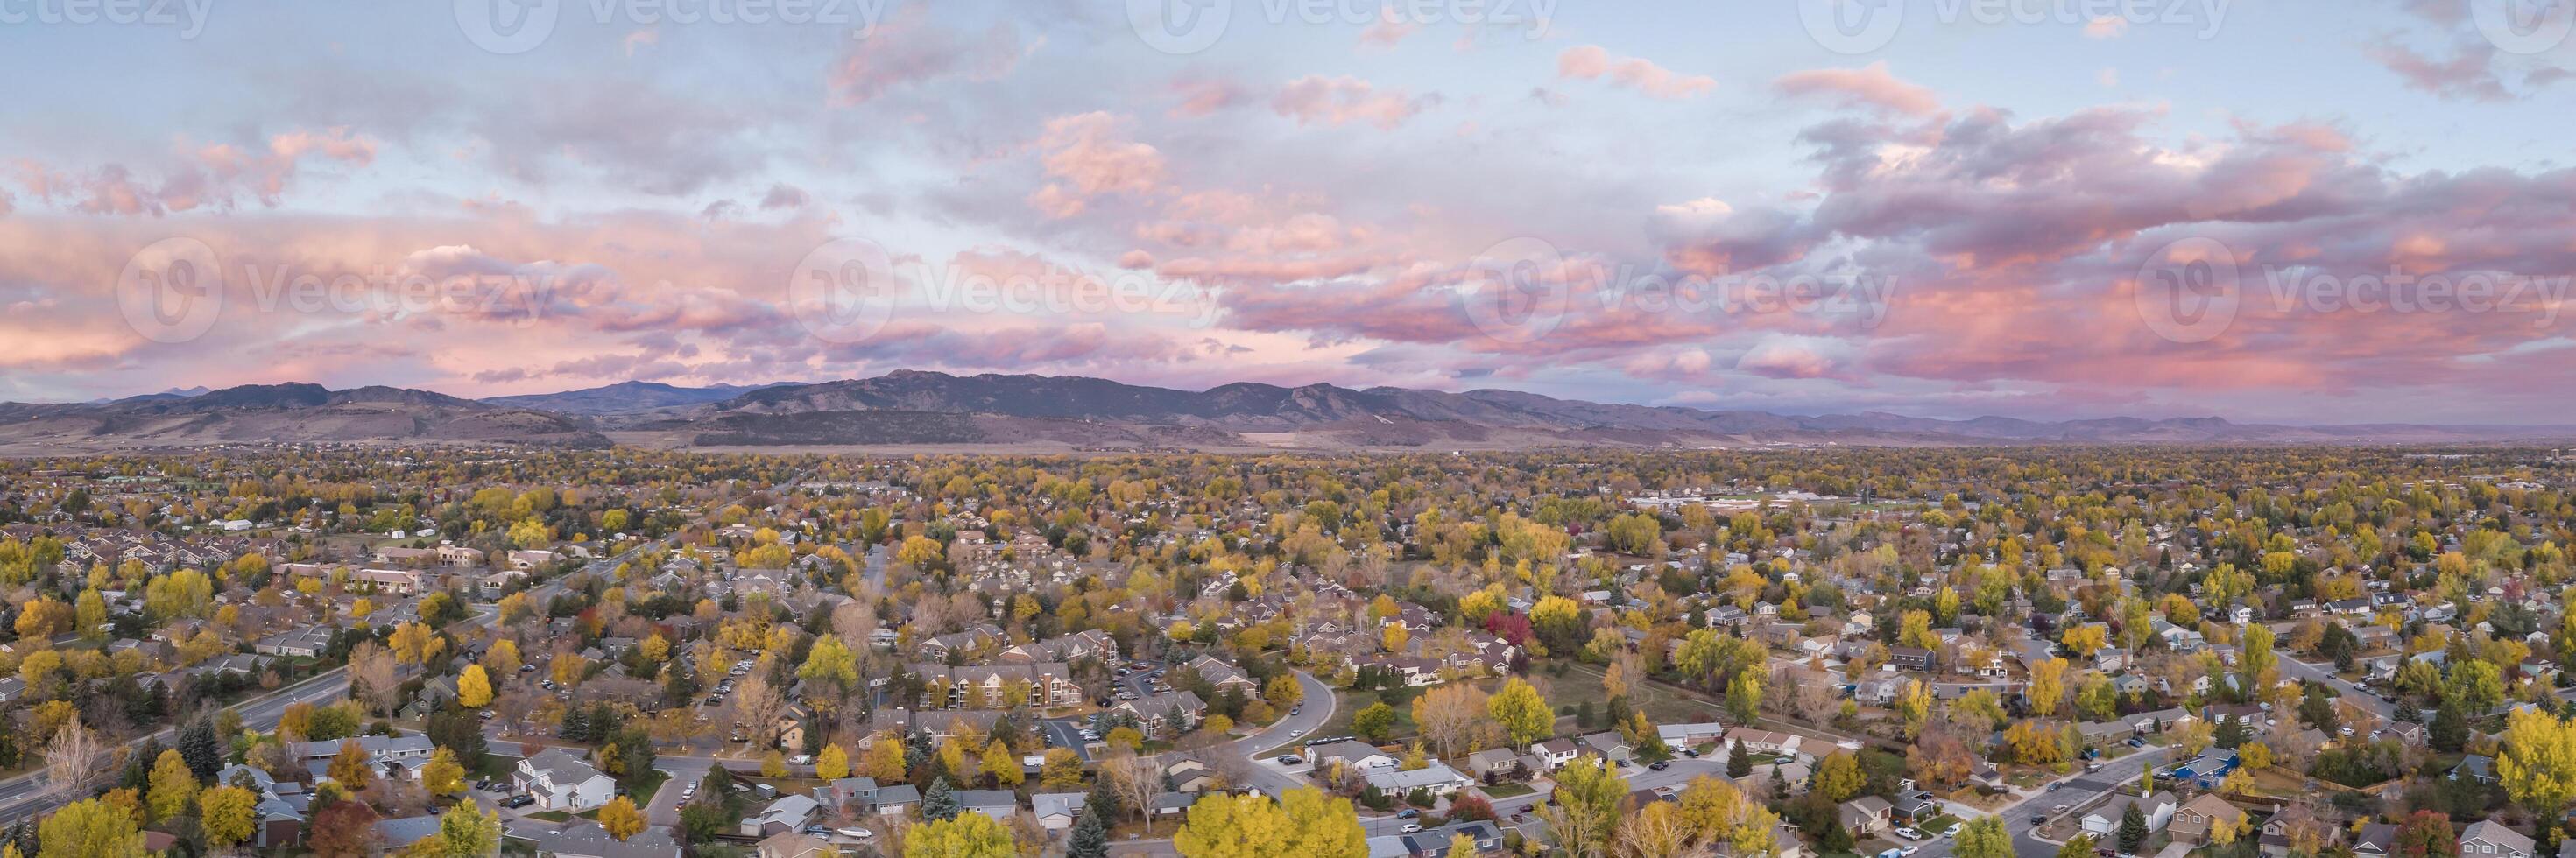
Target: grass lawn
[1507, 789]
[1939, 825]
[1661, 705]
[644, 787]
[551, 816]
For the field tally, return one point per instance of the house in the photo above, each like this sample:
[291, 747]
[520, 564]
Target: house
[1609, 744]
[1221, 675]
[1187, 775]
[1491, 761]
[897, 800]
[561, 780]
[794, 844]
[2475, 767]
[1691, 735]
[787, 815]
[2104, 820]
[847, 795]
[2196, 817]
[585, 839]
[394, 834]
[1154, 712]
[1434, 842]
[2487, 838]
[1057, 811]
[1437, 778]
[1865, 815]
[1911, 659]
[999, 804]
[1554, 752]
[2379, 839]
[1359, 757]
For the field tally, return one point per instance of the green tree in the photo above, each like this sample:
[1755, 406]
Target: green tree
[1738, 763]
[2133, 828]
[1586, 813]
[1984, 837]
[1090, 837]
[2081, 846]
[464, 831]
[939, 804]
[1374, 722]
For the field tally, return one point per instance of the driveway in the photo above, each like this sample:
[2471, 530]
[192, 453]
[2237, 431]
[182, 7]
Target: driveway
[1313, 711]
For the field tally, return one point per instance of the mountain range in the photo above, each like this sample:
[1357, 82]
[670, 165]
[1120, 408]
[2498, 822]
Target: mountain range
[937, 410]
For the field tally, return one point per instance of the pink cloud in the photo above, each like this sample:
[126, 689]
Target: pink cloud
[1086, 157]
[1592, 62]
[1869, 85]
[1341, 100]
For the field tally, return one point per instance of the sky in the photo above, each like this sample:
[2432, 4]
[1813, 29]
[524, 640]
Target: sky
[2340, 211]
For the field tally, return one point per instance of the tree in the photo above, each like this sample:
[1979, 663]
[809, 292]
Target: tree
[351, 767]
[885, 759]
[1374, 722]
[464, 831]
[939, 803]
[473, 687]
[1062, 769]
[1002, 765]
[1283, 691]
[442, 775]
[971, 835]
[72, 758]
[1738, 763]
[830, 662]
[89, 828]
[2449, 730]
[833, 763]
[202, 748]
[224, 812]
[2080, 846]
[2426, 834]
[2133, 828]
[1839, 777]
[773, 765]
[1588, 792]
[2047, 686]
[1223, 825]
[2538, 766]
[1522, 713]
[1090, 837]
[1744, 695]
[1452, 718]
[1984, 837]
[174, 789]
[344, 829]
[621, 818]
[1654, 831]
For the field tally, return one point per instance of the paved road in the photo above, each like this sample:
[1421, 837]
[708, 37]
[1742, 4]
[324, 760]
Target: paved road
[1314, 710]
[2353, 694]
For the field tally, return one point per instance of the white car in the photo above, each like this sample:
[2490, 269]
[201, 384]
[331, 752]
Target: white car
[1910, 850]
[1410, 828]
[1296, 733]
[859, 833]
[802, 760]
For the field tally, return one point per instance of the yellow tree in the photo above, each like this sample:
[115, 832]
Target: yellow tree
[1522, 713]
[2538, 766]
[173, 786]
[473, 687]
[442, 775]
[1224, 825]
[621, 818]
[833, 763]
[90, 828]
[2047, 686]
[224, 812]
[885, 759]
[968, 835]
[1003, 765]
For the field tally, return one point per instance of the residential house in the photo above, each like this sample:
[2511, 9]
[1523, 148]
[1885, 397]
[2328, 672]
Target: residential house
[561, 780]
[2194, 820]
[1057, 811]
[2104, 819]
[2487, 838]
[788, 814]
[1437, 778]
[1865, 815]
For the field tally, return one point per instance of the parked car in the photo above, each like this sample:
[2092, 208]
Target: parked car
[1290, 760]
[520, 800]
[1410, 828]
[859, 833]
[801, 760]
[2037, 820]
[1660, 765]
[1408, 813]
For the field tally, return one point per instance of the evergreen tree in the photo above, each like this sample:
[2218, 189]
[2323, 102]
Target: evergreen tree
[940, 804]
[2449, 729]
[138, 766]
[204, 752]
[2231, 733]
[1090, 836]
[1738, 763]
[2133, 828]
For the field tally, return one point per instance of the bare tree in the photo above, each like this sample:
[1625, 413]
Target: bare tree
[372, 677]
[1452, 719]
[1135, 780]
[756, 705]
[74, 764]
